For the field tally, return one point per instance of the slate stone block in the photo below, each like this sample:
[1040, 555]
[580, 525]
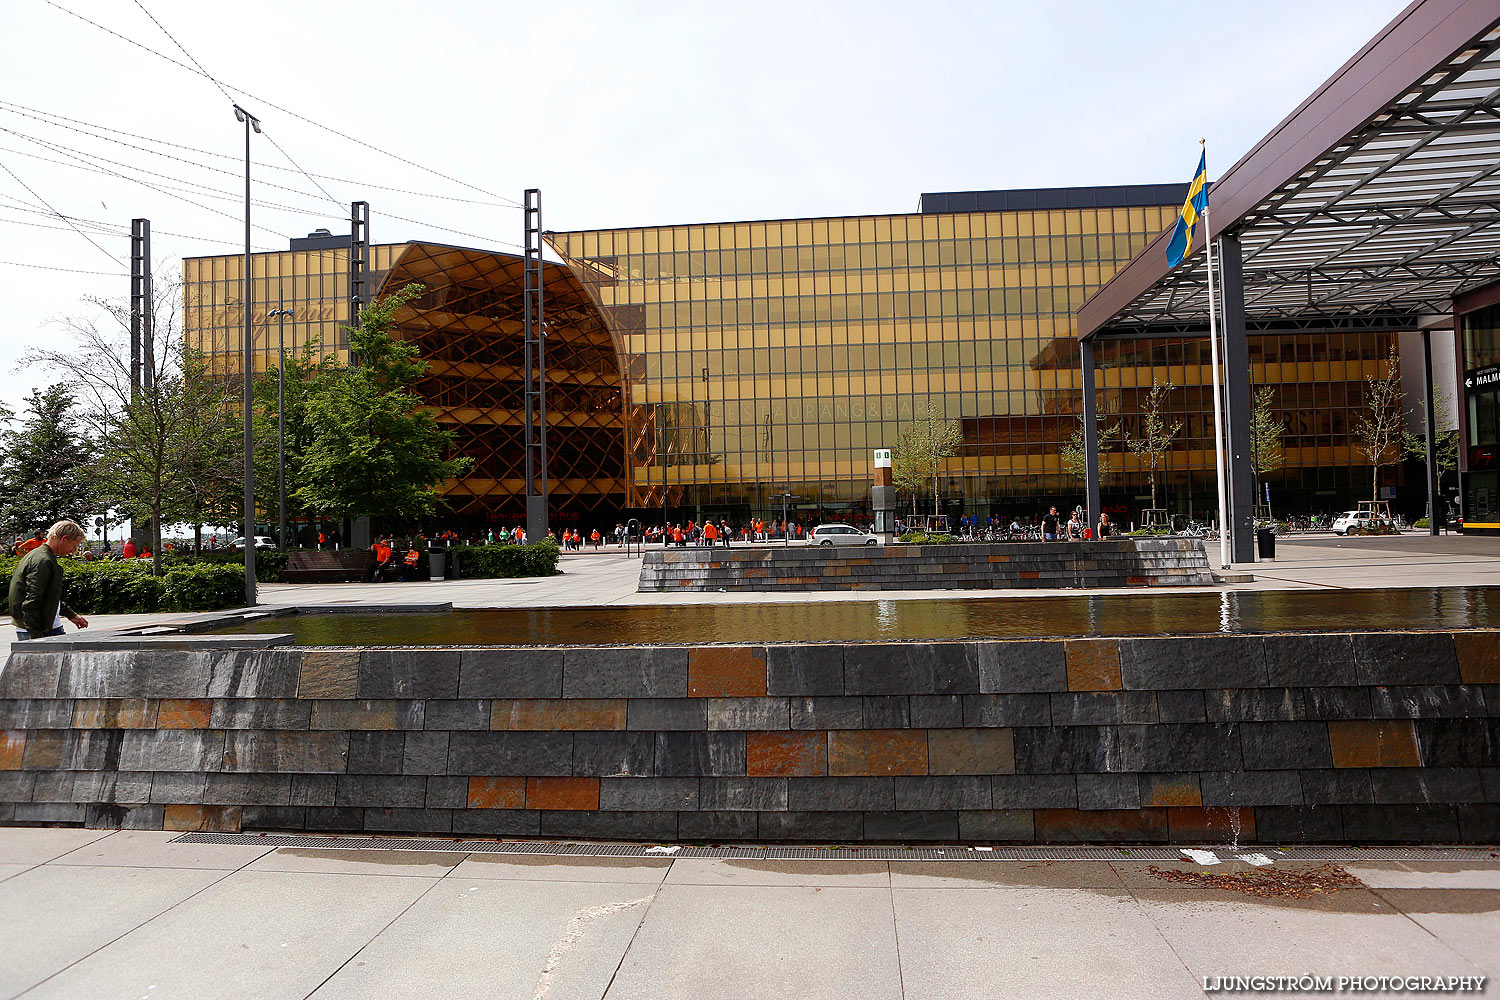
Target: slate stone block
[998, 825]
[1185, 747]
[910, 668]
[41, 750]
[1183, 663]
[1458, 742]
[805, 671]
[840, 794]
[717, 826]
[748, 714]
[154, 673]
[614, 755]
[384, 790]
[1181, 706]
[40, 813]
[786, 754]
[1212, 824]
[1093, 664]
[827, 712]
[1109, 791]
[1090, 825]
[1170, 790]
[376, 753]
[92, 750]
[553, 714]
[1381, 743]
[651, 826]
[742, 794]
[1338, 703]
[812, 827]
[727, 672]
[252, 673]
[1103, 708]
[910, 826]
[270, 750]
[496, 793]
[471, 714]
[1018, 667]
[942, 792]
[1428, 701]
[172, 750]
[425, 753]
[36, 713]
[124, 787]
[408, 673]
[625, 672]
[314, 790]
[647, 794]
[510, 753]
[982, 710]
[1275, 746]
[669, 714]
[119, 713]
[409, 821]
[345, 819]
[255, 713]
[886, 712]
[1074, 749]
[971, 751]
[566, 793]
[700, 754]
[109, 816]
[178, 789]
[497, 823]
[247, 789]
[1478, 823]
[1254, 705]
[17, 786]
[1339, 786]
[1401, 824]
[1426, 784]
[1251, 788]
[292, 818]
[31, 675]
[329, 673]
[363, 714]
[204, 819]
[1405, 658]
[1310, 661]
[510, 673]
[1489, 777]
[933, 711]
[877, 752]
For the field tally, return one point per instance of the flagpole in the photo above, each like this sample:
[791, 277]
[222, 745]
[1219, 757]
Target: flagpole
[1213, 351]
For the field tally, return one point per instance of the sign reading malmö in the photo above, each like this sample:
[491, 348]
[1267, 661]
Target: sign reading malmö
[1482, 378]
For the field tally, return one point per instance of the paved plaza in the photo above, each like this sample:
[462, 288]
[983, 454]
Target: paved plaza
[94, 914]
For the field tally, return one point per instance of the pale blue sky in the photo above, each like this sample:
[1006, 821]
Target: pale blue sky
[623, 114]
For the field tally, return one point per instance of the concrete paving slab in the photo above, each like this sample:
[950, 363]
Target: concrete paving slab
[498, 940]
[154, 849]
[737, 942]
[55, 915]
[1427, 875]
[1002, 874]
[432, 864]
[753, 871]
[8, 871]
[562, 868]
[1466, 920]
[1027, 943]
[33, 846]
[1217, 932]
[268, 935]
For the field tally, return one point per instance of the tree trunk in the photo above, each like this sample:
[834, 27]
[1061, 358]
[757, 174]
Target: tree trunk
[156, 541]
[197, 539]
[1374, 482]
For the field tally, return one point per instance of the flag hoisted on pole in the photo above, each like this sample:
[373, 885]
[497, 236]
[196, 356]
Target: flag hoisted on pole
[1194, 208]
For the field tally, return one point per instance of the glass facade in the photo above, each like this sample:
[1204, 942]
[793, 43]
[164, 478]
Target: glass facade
[1481, 424]
[763, 357]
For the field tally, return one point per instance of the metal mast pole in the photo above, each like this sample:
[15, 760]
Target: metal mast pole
[536, 370]
[251, 122]
[281, 420]
[1213, 353]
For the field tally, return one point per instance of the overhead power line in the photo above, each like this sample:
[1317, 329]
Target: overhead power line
[55, 212]
[69, 270]
[286, 111]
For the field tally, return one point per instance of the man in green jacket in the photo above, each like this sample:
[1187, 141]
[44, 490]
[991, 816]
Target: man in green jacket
[36, 604]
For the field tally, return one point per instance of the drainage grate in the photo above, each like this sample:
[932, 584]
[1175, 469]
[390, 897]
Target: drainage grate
[533, 847]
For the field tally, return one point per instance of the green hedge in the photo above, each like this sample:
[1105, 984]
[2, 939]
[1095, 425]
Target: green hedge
[268, 562]
[922, 538]
[491, 562]
[128, 588]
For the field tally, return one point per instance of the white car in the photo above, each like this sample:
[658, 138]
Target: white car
[1356, 519]
[841, 534]
[261, 542]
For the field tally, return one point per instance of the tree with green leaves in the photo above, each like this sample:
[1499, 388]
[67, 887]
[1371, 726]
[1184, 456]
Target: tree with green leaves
[1377, 429]
[1074, 456]
[1445, 440]
[371, 448]
[917, 457]
[307, 369]
[1267, 428]
[44, 464]
[1156, 433]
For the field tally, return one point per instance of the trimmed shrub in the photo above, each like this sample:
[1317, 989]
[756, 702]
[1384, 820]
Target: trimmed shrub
[204, 587]
[112, 588]
[269, 563]
[923, 538]
[1422, 522]
[493, 562]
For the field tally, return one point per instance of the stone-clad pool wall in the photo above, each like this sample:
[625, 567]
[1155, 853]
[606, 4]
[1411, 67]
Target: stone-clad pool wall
[1362, 737]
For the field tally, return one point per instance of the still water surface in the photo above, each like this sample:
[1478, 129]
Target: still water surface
[855, 621]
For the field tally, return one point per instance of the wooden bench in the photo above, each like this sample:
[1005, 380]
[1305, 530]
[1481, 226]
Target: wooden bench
[328, 566]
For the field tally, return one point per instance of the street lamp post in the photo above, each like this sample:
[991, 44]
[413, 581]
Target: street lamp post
[281, 314]
[250, 122]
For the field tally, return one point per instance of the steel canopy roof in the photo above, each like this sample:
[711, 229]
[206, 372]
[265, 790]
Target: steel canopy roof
[1378, 197]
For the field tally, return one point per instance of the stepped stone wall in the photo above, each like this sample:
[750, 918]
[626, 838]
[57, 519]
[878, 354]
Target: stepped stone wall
[1125, 562]
[1384, 737]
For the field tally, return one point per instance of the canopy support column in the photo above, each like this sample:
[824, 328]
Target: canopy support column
[1242, 484]
[1090, 433]
[1435, 516]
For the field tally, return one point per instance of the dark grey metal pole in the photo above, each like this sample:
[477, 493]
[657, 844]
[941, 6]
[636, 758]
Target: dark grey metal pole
[251, 122]
[1429, 391]
[1240, 481]
[281, 421]
[1090, 434]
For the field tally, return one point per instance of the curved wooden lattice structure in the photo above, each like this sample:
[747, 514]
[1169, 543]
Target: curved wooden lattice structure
[468, 324]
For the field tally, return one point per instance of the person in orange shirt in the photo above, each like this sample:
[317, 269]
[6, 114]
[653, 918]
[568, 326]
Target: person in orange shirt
[129, 549]
[27, 544]
[677, 534]
[710, 533]
[595, 537]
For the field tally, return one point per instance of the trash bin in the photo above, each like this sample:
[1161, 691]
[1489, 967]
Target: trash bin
[435, 559]
[1265, 540]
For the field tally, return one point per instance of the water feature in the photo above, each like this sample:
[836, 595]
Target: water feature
[917, 620]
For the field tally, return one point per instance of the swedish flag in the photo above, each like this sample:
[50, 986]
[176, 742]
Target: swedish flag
[1192, 210]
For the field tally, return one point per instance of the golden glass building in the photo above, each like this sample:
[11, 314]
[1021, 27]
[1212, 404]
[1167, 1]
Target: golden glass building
[714, 367]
